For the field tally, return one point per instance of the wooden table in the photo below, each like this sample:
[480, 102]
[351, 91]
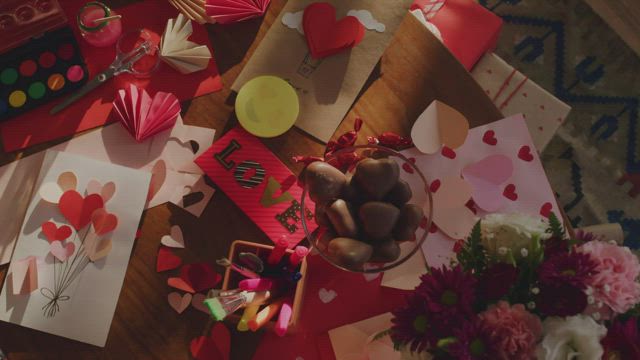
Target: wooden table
[414, 70]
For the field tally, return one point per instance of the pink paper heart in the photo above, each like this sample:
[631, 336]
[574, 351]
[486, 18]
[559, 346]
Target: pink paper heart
[486, 177]
[178, 302]
[198, 303]
[106, 191]
[60, 251]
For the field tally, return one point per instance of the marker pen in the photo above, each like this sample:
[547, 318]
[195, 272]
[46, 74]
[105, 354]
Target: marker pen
[298, 254]
[264, 315]
[278, 251]
[222, 306]
[282, 324]
[248, 314]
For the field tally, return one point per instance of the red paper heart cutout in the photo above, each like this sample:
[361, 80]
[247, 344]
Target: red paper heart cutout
[448, 152]
[326, 36]
[78, 210]
[408, 168]
[435, 185]
[545, 210]
[178, 283]
[489, 137]
[103, 222]
[167, 260]
[510, 192]
[217, 346]
[525, 153]
[200, 276]
[54, 233]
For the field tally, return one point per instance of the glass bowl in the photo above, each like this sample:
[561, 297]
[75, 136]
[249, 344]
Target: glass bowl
[421, 196]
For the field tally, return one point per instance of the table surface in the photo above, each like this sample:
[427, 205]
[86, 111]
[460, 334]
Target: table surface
[414, 70]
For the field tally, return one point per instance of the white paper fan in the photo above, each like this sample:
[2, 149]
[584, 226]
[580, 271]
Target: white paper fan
[193, 9]
[180, 53]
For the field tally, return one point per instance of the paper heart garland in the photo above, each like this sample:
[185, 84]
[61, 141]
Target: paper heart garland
[51, 192]
[53, 233]
[167, 260]
[175, 239]
[61, 252]
[78, 210]
[180, 53]
[450, 213]
[486, 177]
[326, 36]
[230, 11]
[178, 302]
[144, 116]
[106, 191]
[438, 125]
[103, 222]
[216, 346]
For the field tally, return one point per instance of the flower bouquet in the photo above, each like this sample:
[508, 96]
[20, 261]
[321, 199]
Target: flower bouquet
[520, 288]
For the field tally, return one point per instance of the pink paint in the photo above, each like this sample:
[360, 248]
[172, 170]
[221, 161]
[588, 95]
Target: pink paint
[75, 73]
[97, 34]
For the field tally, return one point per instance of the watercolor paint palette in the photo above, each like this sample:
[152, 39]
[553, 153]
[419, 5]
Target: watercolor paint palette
[40, 71]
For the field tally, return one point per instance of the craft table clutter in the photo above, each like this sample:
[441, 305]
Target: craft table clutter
[339, 188]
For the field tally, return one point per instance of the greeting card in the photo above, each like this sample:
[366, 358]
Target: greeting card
[262, 186]
[84, 233]
[496, 170]
[358, 340]
[168, 156]
[514, 93]
[465, 27]
[345, 55]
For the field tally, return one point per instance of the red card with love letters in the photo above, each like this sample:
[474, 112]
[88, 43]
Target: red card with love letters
[259, 183]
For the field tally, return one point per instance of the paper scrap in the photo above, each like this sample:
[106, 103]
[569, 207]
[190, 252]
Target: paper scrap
[438, 125]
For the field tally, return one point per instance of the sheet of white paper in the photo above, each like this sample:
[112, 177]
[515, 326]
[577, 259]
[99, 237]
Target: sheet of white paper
[86, 316]
[354, 341]
[115, 145]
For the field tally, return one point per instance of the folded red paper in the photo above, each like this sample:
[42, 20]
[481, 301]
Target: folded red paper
[93, 110]
[468, 29]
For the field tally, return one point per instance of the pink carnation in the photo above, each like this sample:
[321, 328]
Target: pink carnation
[514, 331]
[614, 282]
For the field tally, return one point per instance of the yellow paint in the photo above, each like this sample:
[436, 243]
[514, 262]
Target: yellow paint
[17, 98]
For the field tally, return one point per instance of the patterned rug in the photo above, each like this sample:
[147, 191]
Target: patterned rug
[593, 162]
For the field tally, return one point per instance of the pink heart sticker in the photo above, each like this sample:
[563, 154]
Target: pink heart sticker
[61, 252]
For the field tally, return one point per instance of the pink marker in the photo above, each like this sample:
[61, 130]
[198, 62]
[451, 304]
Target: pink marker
[278, 251]
[256, 284]
[298, 254]
[284, 317]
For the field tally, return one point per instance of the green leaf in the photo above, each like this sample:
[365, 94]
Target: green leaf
[472, 257]
[555, 227]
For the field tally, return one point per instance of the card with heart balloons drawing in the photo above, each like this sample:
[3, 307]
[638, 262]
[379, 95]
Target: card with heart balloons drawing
[74, 246]
[497, 169]
[326, 50]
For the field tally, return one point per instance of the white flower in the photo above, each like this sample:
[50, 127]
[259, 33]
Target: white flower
[511, 231]
[575, 337]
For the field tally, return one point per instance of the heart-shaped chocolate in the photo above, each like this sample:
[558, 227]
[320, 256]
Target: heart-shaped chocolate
[324, 182]
[399, 194]
[342, 219]
[321, 216]
[378, 219]
[386, 251]
[376, 177]
[408, 222]
[349, 253]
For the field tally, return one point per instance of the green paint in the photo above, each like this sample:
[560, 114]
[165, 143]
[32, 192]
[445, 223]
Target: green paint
[36, 90]
[8, 76]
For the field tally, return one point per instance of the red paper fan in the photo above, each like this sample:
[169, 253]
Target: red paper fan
[144, 116]
[230, 11]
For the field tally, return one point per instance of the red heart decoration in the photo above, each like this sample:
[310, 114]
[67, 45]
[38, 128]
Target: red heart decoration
[326, 36]
[435, 185]
[54, 233]
[545, 210]
[525, 153]
[217, 346]
[448, 152]
[200, 276]
[510, 192]
[489, 137]
[178, 283]
[78, 210]
[167, 260]
[103, 222]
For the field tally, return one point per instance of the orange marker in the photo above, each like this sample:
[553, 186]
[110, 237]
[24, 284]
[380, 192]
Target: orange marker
[265, 315]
